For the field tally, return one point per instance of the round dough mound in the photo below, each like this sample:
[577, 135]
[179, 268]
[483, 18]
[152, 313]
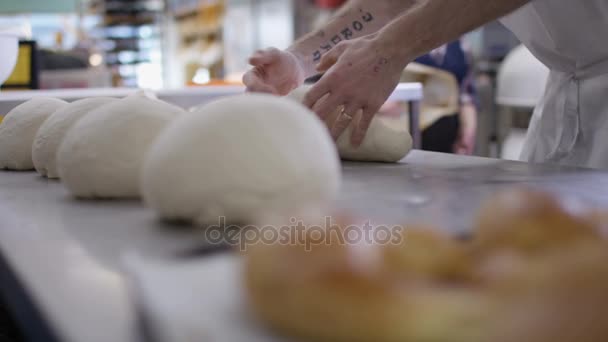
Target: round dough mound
[386, 139]
[102, 154]
[52, 131]
[239, 156]
[18, 130]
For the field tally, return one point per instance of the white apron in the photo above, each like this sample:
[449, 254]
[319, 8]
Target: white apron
[570, 125]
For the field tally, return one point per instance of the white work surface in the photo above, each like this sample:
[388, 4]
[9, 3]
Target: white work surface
[62, 260]
[69, 255]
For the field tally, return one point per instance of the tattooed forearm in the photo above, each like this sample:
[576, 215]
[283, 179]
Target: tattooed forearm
[456, 18]
[357, 18]
[345, 33]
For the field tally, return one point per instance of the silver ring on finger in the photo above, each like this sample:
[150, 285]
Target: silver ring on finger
[345, 115]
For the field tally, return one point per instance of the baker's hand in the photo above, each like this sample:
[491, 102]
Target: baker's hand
[360, 75]
[465, 144]
[467, 132]
[274, 71]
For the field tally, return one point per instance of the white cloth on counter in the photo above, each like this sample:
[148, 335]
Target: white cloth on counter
[196, 300]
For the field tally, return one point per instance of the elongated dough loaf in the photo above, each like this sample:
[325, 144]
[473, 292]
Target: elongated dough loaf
[385, 141]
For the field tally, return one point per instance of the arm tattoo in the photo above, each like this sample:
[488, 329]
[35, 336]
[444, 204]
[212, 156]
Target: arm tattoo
[326, 47]
[345, 34]
[316, 56]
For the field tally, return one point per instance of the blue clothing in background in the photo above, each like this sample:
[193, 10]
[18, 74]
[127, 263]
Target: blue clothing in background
[441, 135]
[453, 59]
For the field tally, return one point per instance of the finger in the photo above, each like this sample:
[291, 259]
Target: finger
[333, 117]
[326, 106]
[263, 57]
[345, 119]
[254, 83]
[261, 88]
[251, 77]
[328, 119]
[331, 57]
[362, 126]
[318, 91]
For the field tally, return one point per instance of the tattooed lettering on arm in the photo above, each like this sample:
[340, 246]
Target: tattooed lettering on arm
[316, 56]
[345, 34]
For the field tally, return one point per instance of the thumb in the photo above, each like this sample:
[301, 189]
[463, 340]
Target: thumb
[255, 83]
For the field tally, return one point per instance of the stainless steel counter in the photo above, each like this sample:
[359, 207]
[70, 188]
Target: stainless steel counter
[68, 255]
[447, 190]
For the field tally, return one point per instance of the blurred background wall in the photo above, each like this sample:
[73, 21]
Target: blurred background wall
[175, 43]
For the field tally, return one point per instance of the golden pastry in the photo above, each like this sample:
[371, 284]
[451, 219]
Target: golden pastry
[527, 221]
[561, 297]
[533, 272]
[427, 253]
[600, 220]
[363, 291]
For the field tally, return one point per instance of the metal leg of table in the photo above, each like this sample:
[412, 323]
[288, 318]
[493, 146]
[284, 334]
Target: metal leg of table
[414, 109]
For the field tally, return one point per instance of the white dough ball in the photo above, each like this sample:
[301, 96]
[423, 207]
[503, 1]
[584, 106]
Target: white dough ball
[53, 130]
[238, 157]
[387, 139]
[18, 129]
[102, 154]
